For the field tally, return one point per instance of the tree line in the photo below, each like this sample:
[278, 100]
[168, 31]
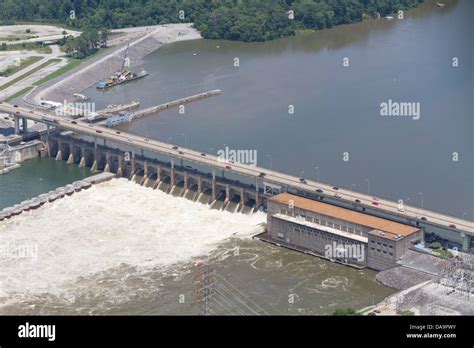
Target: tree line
[242, 20]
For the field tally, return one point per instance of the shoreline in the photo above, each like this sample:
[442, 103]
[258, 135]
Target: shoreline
[92, 70]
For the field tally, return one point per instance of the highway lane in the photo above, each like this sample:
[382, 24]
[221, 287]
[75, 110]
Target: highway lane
[271, 176]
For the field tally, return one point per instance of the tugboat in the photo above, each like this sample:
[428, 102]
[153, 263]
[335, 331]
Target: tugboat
[121, 76]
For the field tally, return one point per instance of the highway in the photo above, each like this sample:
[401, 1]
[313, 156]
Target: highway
[345, 195]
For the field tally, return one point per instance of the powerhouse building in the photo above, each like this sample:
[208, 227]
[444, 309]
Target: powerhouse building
[339, 234]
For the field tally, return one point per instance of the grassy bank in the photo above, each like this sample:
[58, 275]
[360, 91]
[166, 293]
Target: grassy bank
[71, 65]
[19, 93]
[32, 71]
[24, 63]
[31, 46]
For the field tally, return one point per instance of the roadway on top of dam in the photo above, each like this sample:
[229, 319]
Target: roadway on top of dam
[271, 176]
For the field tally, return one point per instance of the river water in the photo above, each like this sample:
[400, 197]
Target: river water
[336, 108]
[37, 176]
[92, 253]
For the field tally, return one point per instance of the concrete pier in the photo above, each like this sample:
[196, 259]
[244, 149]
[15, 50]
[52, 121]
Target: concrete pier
[174, 103]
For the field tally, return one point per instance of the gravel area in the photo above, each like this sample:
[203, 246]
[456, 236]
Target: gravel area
[402, 278]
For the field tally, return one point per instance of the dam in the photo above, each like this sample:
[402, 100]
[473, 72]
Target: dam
[171, 166]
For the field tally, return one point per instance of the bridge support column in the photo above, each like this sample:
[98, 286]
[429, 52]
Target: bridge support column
[145, 170]
[70, 159]
[108, 162]
[213, 184]
[242, 196]
[172, 173]
[173, 177]
[199, 189]
[121, 166]
[17, 125]
[47, 143]
[185, 180]
[257, 199]
[59, 154]
[96, 155]
[24, 122]
[227, 193]
[82, 162]
[134, 164]
[465, 242]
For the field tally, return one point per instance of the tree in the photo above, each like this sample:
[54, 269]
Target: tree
[345, 312]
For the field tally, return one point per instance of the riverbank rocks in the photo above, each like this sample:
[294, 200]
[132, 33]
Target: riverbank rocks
[51, 196]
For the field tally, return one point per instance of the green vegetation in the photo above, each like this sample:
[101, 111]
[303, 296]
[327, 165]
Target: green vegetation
[88, 43]
[71, 65]
[406, 313]
[440, 251]
[345, 312]
[19, 93]
[31, 46]
[24, 63]
[32, 71]
[244, 20]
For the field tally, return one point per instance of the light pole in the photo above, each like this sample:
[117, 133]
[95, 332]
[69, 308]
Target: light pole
[317, 171]
[368, 186]
[270, 158]
[302, 172]
[352, 187]
[421, 194]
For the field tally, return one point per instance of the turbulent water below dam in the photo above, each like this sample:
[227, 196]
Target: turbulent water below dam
[60, 260]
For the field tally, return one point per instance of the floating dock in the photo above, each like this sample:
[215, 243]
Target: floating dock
[129, 117]
[157, 108]
[121, 107]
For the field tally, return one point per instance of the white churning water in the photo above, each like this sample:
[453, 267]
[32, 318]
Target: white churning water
[111, 224]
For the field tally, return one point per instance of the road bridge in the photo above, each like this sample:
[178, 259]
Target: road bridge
[270, 181]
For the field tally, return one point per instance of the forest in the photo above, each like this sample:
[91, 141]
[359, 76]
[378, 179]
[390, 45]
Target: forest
[242, 20]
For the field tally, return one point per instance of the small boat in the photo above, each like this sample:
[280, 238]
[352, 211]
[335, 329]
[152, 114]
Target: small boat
[388, 17]
[120, 76]
[439, 4]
